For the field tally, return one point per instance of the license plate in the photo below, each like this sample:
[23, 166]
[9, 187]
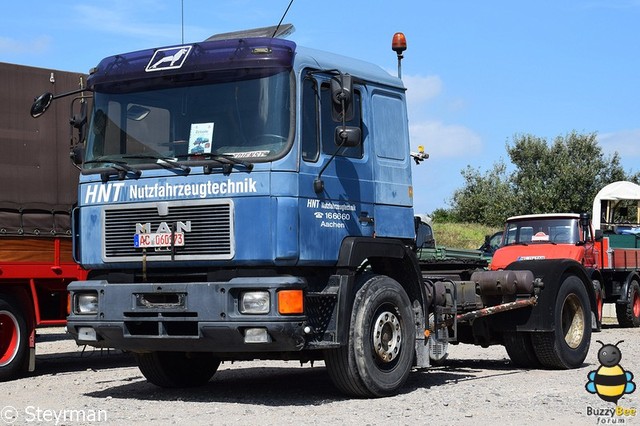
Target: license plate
[158, 240]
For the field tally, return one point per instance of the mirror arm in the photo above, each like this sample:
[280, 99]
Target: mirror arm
[318, 183]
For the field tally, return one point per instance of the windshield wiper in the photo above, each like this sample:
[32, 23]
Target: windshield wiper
[119, 168]
[170, 161]
[226, 161]
[517, 243]
[231, 160]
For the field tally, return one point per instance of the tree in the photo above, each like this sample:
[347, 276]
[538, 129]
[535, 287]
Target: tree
[484, 198]
[563, 176]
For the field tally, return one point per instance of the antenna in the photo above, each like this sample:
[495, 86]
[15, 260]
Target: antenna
[282, 19]
[182, 16]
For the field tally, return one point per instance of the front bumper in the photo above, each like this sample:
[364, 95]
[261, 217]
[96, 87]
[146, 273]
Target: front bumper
[200, 317]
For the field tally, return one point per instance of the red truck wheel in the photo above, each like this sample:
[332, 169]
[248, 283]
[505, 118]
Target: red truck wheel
[520, 349]
[379, 353]
[629, 313]
[567, 346]
[13, 339]
[178, 369]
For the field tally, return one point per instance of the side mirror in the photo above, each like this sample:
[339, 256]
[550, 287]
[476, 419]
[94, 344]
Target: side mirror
[41, 104]
[77, 154]
[585, 220]
[348, 136]
[342, 97]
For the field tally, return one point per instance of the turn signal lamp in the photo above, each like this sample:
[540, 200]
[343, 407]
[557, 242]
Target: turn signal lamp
[290, 302]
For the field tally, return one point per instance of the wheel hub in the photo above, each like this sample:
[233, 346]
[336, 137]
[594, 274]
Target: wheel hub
[387, 336]
[573, 322]
[636, 305]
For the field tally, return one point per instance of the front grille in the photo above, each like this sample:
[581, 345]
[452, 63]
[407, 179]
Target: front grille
[211, 235]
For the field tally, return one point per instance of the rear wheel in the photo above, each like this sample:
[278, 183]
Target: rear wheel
[379, 354]
[567, 346]
[14, 351]
[178, 369]
[629, 313]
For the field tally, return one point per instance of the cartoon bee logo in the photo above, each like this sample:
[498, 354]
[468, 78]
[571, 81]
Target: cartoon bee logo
[610, 381]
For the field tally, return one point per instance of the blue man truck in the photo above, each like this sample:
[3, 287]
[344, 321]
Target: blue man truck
[289, 234]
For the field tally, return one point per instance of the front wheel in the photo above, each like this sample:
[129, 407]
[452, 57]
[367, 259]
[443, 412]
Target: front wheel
[629, 313]
[567, 345]
[379, 354]
[14, 351]
[177, 369]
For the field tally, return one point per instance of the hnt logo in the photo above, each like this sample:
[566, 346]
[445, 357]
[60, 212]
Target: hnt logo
[610, 381]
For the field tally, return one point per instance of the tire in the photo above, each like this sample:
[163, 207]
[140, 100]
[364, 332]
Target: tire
[14, 342]
[567, 346]
[521, 350]
[177, 369]
[379, 353]
[629, 313]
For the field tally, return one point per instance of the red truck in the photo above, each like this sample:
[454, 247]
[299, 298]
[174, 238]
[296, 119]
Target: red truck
[36, 200]
[568, 244]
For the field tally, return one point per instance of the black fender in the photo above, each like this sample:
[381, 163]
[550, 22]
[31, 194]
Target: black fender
[386, 256]
[624, 290]
[551, 272]
[596, 275]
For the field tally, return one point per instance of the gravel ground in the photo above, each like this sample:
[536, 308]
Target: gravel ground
[74, 385]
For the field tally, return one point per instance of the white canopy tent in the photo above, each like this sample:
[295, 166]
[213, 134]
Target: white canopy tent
[613, 194]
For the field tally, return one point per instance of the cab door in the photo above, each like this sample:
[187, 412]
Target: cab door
[343, 206]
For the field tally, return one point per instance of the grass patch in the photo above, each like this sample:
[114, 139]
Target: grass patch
[461, 235]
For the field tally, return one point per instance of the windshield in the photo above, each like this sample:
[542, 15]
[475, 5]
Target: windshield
[533, 231]
[250, 119]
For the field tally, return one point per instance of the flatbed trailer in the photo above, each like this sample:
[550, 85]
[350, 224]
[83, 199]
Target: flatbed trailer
[36, 200]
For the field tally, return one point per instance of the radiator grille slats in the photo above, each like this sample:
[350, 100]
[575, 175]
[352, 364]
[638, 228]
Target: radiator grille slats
[211, 235]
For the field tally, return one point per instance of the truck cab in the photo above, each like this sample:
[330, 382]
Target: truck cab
[547, 236]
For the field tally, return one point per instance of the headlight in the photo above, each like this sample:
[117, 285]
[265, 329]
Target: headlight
[86, 303]
[255, 302]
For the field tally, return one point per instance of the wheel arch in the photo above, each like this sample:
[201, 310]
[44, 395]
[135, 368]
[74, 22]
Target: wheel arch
[390, 257]
[21, 295]
[624, 291]
[551, 272]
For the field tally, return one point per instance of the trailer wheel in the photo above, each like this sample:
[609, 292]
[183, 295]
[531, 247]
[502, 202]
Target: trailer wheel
[379, 353]
[567, 346]
[14, 353]
[520, 349]
[177, 369]
[629, 313]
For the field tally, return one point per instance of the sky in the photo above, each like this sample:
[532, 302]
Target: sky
[478, 74]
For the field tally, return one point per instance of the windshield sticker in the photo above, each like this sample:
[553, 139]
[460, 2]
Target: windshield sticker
[249, 154]
[200, 138]
[540, 236]
[168, 59]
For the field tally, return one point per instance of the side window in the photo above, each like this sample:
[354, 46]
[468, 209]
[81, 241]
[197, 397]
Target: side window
[309, 136]
[328, 126]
